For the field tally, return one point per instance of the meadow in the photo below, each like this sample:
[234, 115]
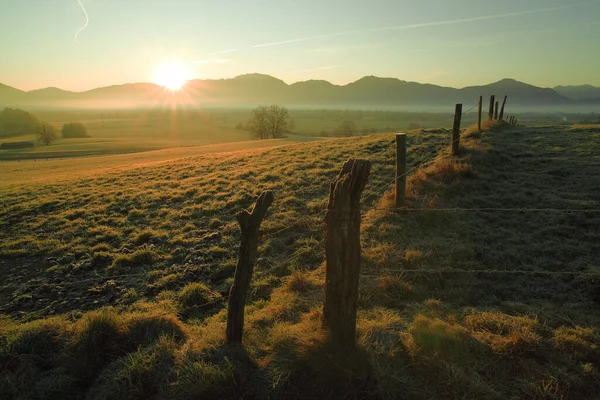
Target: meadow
[114, 283]
[126, 131]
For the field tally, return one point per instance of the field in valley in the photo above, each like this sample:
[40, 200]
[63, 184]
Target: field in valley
[123, 131]
[115, 273]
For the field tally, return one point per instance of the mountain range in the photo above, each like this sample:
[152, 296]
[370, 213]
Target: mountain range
[256, 89]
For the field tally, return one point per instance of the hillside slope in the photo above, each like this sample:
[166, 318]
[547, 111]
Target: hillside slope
[455, 302]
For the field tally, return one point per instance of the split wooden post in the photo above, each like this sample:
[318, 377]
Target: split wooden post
[342, 251]
[456, 130]
[491, 110]
[480, 104]
[400, 169]
[496, 112]
[502, 109]
[249, 224]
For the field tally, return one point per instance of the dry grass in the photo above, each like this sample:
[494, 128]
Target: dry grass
[421, 334]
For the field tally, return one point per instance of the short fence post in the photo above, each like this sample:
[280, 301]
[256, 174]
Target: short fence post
[249, 224]
[496, 112]
[480, 104]
[456, 130]
[400, 169]
[342, 251]
[502, 109]
[491, 110]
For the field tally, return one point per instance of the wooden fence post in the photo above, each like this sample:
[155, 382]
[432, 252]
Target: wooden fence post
[400, 169]
[502, 109]
[491, 111]
[496, 112]
[249, 224]
[480, 104]
[456, 130]
[342, 251]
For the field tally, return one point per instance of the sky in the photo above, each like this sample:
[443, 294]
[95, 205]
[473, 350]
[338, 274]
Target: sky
[81, 44]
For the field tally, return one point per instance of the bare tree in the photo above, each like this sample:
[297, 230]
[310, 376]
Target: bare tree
[259, 123]
[278, 120]
[46, 133]
[347, 128]
[269, 121]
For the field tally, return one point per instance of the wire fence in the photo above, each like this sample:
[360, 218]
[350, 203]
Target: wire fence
[379, 190]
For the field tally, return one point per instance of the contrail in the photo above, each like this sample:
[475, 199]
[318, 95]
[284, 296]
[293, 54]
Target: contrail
[412, 26]
[87, 20]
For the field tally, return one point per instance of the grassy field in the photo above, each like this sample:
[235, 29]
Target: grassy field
[114, 284]
[121, 132]
[127, 131]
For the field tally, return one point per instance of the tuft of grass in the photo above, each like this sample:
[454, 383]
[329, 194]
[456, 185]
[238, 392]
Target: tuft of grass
[196, 299]
[143, 329]
[98, 339]
[138, 375]
[139, 258]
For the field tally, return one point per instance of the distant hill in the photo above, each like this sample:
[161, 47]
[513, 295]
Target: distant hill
[255, 89]
[583, 92]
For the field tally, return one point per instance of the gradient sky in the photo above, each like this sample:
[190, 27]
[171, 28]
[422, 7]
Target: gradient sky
[453, 43]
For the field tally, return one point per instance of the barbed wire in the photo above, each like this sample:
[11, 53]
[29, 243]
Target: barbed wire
[483, 271]
[490, 209]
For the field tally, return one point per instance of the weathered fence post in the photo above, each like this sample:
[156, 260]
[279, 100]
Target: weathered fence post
[502, 110]
[456, 130]
[480, 105]
[249, 224]
[342, 251]
[491, 110]
[400, 169]
[496, 112]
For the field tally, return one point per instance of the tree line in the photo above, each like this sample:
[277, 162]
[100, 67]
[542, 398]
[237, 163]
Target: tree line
[17, 122]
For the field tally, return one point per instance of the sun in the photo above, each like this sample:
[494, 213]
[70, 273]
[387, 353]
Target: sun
[172, 75]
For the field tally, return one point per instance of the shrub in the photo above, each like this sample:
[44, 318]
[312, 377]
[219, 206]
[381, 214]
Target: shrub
[74, 130]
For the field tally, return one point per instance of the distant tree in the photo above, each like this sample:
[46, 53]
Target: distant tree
[347, 128]
[269, 122]
[277, 118]
[74, 130]
[259, 123]
[46, 133]
[15, 122]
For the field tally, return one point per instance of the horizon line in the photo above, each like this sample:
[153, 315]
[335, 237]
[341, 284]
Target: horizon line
[292, 83]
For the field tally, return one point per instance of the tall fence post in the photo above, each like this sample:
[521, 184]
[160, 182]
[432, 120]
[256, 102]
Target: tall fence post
[249, 224]
[342, 251]
[502, 109]
[491, 110]
[400, 169]
[456, 130]
[480, 105]
[496, 112]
